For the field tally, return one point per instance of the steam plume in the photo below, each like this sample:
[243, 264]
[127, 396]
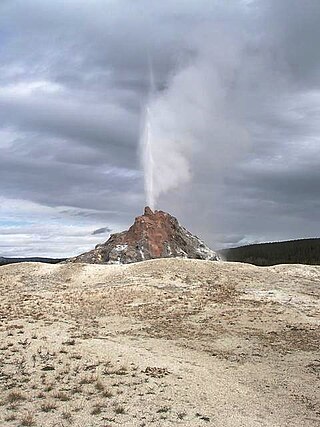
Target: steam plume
[196, 116]
[146, 144]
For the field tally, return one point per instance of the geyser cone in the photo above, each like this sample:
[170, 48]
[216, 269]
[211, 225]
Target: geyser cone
[155, 234]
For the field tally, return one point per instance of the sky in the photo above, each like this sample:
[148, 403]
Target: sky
[235, 119]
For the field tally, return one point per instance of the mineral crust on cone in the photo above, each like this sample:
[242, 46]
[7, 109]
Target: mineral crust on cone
[153, 235]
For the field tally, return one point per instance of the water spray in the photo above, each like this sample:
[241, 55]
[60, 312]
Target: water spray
[146, 145]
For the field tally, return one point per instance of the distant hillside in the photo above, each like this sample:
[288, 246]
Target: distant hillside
[5, 261]
[305, 251]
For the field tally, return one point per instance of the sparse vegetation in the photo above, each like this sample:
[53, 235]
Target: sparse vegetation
[119, 409]
[48, 406]
[96, 410]
[66, 415]
[99, 385]
[140, 350]
[107, 393]
[181, 415]
[60, 395]
[164, 409]
[15, 397]
[27, 420]
[10, 417]
[87, 380]
[75, 390]
[70, 341]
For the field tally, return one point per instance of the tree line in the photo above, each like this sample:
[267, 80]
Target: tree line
[304, 251]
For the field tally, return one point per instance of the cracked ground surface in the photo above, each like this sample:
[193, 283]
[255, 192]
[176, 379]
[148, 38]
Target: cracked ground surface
[159, 343]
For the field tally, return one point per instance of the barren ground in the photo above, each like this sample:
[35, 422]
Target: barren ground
[159, 343]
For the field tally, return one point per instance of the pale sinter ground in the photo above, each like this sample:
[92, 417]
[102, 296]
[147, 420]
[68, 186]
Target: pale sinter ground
[159, 343]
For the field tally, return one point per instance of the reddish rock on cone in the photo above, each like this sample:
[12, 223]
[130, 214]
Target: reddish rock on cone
[153, 235]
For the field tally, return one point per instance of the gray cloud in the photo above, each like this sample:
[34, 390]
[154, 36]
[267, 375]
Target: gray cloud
[74, 80]
[102, 230]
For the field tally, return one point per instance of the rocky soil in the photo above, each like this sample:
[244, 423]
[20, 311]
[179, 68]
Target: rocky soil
[166, 342]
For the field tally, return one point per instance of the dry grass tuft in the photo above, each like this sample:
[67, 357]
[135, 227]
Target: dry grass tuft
[119, 409]
[96, 410]
[27, 420]
[66, 415]
[48, 406]
[107, 393]
[60, 395]
[15, 397]
[99, 385]
[10, 417]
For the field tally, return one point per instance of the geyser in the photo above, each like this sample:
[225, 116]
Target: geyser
[146, 154]
[147, 159]
[193, 127]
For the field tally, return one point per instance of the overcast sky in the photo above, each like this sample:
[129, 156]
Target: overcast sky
[242, 78]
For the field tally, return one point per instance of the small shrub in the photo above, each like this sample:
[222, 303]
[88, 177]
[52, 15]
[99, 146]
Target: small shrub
[99, 386]
[181, 415]
[48, 406]
[10, 417]
[163, 409]
[66, 415]
[14, 397]
[107, 393]
[76, 389]
[87, 380]
[119, 409]
[27, 420]
[96, 410]
[76, 356]
[60, 395]
[69, 342]
[123, 370]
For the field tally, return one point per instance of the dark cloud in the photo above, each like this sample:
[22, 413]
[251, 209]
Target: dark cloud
[295, 27]
[102, 230]
[74, 79]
